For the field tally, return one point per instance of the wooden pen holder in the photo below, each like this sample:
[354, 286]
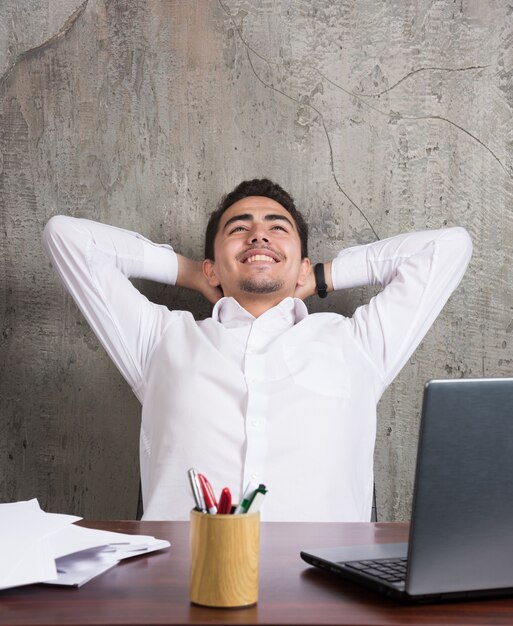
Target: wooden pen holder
[224, 559]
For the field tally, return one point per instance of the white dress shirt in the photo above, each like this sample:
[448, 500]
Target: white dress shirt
[287, 399]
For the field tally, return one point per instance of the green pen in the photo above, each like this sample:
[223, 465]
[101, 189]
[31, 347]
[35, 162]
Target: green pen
[257, 500]
[248, 497]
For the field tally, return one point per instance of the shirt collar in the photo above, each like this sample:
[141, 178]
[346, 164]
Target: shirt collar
[288, 312]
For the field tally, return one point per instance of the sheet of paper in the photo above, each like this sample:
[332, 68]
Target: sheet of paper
[75, 538]
[47, 547]
[78, 568]
[24, 543]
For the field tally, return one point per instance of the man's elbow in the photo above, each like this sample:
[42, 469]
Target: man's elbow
[461, 241]
[54, 228]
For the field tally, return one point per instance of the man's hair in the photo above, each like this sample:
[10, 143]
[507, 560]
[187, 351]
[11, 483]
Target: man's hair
[256, 187]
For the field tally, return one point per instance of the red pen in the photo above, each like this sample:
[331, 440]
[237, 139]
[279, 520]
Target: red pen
[208, 494]
[225, 502]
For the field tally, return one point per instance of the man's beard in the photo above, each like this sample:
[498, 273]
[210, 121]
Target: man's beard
[262, 286]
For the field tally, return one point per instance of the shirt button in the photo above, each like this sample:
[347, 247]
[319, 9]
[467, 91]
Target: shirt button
[254, 475]
[255, 423]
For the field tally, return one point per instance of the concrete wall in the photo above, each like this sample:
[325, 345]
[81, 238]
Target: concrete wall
[379, 117]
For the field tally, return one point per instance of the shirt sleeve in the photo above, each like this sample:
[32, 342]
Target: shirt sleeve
[95, 262]
[418, 273]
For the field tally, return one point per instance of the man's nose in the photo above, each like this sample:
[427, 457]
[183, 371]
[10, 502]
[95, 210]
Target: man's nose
[258, 238]
[257, 235]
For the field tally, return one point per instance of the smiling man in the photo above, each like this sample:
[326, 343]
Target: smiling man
[261, 391]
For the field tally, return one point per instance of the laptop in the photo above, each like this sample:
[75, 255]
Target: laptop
[461, 533]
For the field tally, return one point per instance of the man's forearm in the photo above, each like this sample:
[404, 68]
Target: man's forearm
[74, 241]
[377, 263]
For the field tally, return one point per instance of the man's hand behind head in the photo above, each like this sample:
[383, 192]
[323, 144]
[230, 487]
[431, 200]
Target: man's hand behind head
[191, 276]
[309, 288]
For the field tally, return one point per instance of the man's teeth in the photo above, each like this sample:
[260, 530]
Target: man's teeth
[260, 257]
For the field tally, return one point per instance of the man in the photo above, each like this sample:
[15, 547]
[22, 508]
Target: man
[261, 391]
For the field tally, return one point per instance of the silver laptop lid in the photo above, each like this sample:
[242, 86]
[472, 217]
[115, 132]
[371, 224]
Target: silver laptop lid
[461, 536]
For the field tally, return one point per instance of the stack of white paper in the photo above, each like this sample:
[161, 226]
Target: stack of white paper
[45, 547]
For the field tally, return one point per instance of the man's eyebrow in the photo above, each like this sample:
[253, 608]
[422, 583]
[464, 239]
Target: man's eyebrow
[247, 217]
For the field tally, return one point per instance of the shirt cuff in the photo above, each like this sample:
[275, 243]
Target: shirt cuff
[349, 268]
[160, 263]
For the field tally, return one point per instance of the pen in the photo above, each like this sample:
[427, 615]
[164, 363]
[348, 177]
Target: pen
[247, 496]
[196, 490]
[225, 502]
[258, 498]
[208, 494]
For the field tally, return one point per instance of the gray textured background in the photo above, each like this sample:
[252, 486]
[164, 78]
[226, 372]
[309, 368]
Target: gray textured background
[378, 116]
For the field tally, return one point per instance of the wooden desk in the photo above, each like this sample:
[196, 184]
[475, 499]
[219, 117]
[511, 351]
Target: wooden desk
[154, 589]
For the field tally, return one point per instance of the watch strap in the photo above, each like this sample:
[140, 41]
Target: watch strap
[320, 280]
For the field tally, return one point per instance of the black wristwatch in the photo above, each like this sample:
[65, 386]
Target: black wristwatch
[320, 280]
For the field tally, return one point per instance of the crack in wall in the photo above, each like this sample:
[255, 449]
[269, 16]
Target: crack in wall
[399, 116]
[307, 104]
[463, 130]
[330, 147]
[361, 98]
[412, 73]
[62, 32]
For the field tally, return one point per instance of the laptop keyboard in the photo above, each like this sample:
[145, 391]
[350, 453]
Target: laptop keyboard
[389, 570]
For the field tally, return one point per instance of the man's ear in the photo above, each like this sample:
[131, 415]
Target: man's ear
[209, 273]
[303, 272]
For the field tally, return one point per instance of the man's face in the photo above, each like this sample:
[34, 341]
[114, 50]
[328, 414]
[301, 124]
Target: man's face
[257, 251]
